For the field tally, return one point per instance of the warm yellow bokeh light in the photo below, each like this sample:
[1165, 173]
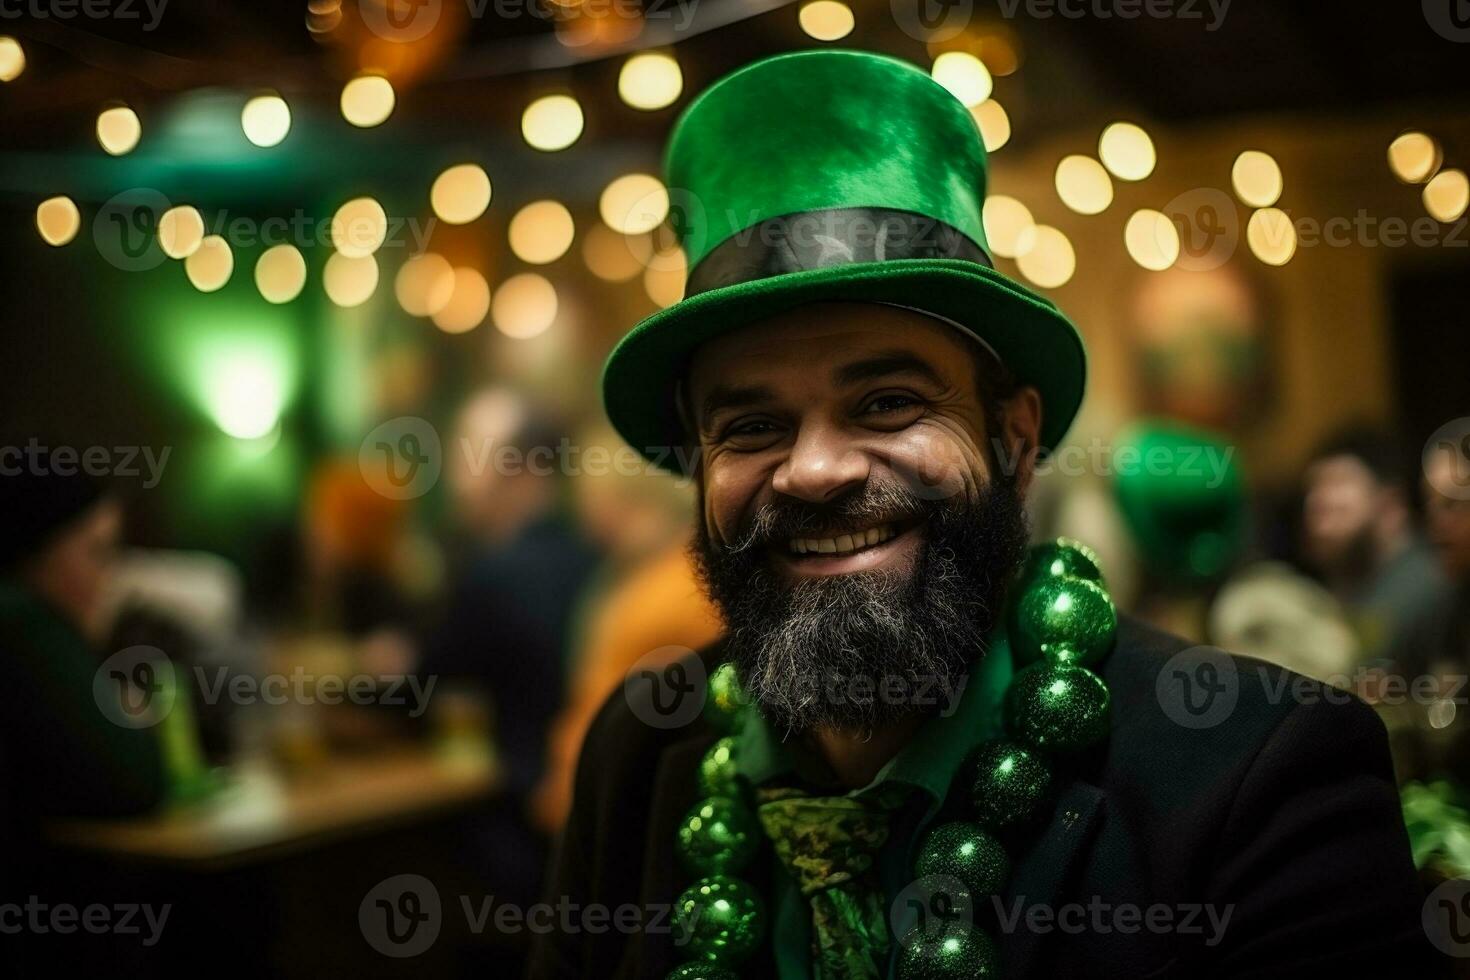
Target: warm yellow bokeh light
[1414, 157]
[1447, 195]
[826, 20]
[1083, 185]
[180, 230]
[460, 194]
[1256, 178]
[1006, 220]
[469, 302]
[552, 122]
[1152, 239]
[359, 227]
[280, 273]
[541, 232]
[1127, 151]
[650, 81]
[58, 220]
[12, 59]
[964, 75]
[266, 120]
[210, 265]
[634, 204]
[525, 306]
[424, 284]
[368, 100]
[1048, 259]
[995, 125]
[350, 280]
[665, 277]
[1271, 236]
[614, 257]
[118, 130]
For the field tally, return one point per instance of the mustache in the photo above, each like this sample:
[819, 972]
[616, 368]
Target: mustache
[870, 504]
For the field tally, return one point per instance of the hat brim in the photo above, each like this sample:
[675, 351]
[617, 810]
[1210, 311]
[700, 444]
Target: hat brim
[1033, 339]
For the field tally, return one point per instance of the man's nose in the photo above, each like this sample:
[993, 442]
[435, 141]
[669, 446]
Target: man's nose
[823, 464]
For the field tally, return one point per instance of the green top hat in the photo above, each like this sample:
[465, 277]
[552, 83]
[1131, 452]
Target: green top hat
[832, 175]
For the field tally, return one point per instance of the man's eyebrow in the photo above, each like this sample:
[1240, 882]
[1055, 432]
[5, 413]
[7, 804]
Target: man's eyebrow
[722, 397]
[885, 364]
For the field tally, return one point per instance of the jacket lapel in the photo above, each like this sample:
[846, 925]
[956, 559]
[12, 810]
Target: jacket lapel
[1044, 871]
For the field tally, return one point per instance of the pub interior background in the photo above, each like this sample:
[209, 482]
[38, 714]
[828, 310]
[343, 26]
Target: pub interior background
[1273, 249]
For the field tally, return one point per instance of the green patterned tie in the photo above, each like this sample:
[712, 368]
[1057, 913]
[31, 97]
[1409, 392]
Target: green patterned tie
[830, 846]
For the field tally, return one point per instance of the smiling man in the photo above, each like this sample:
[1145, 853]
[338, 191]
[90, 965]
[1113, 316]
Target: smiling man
[918, 753]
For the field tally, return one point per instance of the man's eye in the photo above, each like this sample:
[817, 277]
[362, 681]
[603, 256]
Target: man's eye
[755, 427]
[891, 403]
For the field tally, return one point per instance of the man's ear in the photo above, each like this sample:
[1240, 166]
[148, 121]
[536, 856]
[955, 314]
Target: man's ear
[1020, 435]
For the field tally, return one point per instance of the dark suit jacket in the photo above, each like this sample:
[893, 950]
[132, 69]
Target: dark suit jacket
[1283, 812]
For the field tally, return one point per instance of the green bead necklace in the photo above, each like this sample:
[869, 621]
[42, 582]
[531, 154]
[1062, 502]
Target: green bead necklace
[1061, 622]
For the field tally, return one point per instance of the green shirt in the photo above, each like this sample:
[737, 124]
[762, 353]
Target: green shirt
[922, 771]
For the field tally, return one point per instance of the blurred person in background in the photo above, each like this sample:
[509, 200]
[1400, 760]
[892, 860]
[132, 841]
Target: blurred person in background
[513, 588]
[1358, 535]
[645, 606]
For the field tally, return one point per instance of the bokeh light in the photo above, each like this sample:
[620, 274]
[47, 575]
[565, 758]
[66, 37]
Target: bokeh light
[525, 305]
[1256, 178]
[650, 81]
[552, 122]
[1271, 236]
[210, 265]
[1447, 195]
[266, 119]
[634, 203]
[359, 227]
[1127, 151]
[469, 302]
[424, 284]
[1048, 259]
[1083, 184]
[180, 230]
[826, 20]
[666, 275]
[12, 59]
[118, 130]
[58, 220]
[1152, 239]
[1006, 222]
[350, 280]
[280, 273]
[368, 100]
[995, 125]
[1414, 157]
[541, 232]
[460, 194]
[612, 256]
[964, 75]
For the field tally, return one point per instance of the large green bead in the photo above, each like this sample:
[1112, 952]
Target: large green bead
[701, 971]
[1064, 556]
[719, 919]
[965, 851]
[1057, 707]
[950, 954]
[717, 771]
[725, 701]
[1011, 782]
[718, 835]
[1064, 619]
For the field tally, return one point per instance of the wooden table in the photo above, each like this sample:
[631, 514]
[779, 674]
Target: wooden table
[262, 818]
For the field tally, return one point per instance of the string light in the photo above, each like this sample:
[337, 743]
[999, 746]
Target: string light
[280, 273]
[460, 194]
[541, 232]
[1256, 178]
[266, 119]
[359, 227]
[350, 279]
[525, 305]
[118, 130]
[368, 100]
[180, 231]
[210, 265]
[552, 122]
[650, 81]
[58, 220]
[826, 20]
[1083, 185]
[469, 302]
[1048, 260]
[1127, 151]
[634, 204]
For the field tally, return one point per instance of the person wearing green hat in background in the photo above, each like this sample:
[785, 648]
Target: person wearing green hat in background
[917, 752]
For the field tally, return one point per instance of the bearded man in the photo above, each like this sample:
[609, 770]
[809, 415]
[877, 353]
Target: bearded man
[919, 754]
